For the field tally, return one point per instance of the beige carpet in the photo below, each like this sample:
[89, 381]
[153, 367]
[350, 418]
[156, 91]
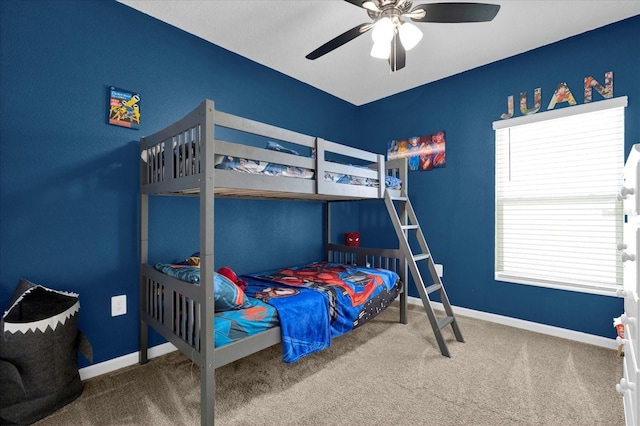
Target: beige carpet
[385, 373]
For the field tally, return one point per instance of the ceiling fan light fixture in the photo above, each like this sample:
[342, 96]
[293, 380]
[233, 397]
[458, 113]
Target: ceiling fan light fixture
[383, 31]
[410, 35]
[381, 50]
[392, 36]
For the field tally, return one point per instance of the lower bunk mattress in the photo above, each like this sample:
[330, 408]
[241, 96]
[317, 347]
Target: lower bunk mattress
[312, 303]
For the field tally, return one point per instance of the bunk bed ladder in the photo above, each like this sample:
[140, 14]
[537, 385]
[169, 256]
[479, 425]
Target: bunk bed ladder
[405, 222]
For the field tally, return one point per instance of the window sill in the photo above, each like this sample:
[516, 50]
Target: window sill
[589, 289]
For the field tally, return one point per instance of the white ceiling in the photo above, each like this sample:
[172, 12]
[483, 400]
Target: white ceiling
[278, 34]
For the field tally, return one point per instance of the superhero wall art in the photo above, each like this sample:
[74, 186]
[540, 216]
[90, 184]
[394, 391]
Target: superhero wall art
[423, 152]
[124, 108]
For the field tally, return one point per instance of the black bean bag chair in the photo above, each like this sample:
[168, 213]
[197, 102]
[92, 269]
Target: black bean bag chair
[39, 353]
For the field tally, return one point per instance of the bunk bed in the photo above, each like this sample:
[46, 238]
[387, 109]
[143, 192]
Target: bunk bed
[187, 158]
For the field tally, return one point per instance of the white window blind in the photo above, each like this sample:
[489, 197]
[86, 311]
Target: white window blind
[557, 215]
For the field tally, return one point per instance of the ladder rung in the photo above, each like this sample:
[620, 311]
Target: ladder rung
[433, 287]
[422, 256]
[409, 226]
[445, 322]
[399, 198]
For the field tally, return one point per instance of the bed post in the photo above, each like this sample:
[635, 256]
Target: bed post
[319, 149]
[327, 227]
[382, 173]
[404, 296]
[403, 173]
[144, 257]
[207, 370]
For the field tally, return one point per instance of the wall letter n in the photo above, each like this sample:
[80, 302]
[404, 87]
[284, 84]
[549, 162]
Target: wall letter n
[591, 83]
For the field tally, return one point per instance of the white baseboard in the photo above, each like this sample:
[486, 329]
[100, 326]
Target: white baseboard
[165, 348]
[123, 361]
[527, 325]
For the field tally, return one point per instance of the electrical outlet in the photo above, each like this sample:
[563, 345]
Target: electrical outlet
[118, 305]
[439, 269]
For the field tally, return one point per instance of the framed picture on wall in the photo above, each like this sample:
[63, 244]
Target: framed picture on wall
[424, 153]
[124, 108]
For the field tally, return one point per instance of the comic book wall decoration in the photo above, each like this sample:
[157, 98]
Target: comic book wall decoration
[124, 108]
[424, 153]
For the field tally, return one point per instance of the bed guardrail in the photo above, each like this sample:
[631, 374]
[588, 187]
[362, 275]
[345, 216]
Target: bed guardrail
[391, 259]
[186, 140]
[173, 305]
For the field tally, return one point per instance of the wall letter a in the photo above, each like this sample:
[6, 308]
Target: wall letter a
[562, 94]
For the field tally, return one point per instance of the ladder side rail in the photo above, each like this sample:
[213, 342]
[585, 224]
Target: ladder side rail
[444, 298]
[421, 240]
[403, 223]
[426, 302]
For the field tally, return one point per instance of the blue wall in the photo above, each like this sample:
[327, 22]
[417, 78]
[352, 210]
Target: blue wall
[456, 204]
[69, 181]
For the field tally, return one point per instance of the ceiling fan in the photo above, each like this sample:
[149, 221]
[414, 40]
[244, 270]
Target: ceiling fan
[393, 36]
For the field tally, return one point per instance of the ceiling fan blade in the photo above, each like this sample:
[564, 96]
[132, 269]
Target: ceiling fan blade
[397, 58]
[339, 41]
[356, 2]
[456, 12]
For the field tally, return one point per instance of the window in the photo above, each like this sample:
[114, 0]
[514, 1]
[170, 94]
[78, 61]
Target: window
[558, 218]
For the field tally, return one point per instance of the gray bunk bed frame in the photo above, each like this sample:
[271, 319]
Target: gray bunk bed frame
[183, 313]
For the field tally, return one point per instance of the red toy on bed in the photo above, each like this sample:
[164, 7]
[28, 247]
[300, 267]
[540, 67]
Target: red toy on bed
[352, 239]
[228, 272]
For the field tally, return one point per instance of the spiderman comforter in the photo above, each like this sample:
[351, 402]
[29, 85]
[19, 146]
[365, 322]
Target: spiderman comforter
[320, 301]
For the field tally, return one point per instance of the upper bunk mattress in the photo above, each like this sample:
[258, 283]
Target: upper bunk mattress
[273, 169]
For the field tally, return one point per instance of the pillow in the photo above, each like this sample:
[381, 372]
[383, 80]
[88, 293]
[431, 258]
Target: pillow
[181, 271]
[228, 296]
[274, 146]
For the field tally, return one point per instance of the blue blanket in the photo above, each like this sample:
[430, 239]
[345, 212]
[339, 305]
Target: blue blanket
[303, 313]
[320, 301]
